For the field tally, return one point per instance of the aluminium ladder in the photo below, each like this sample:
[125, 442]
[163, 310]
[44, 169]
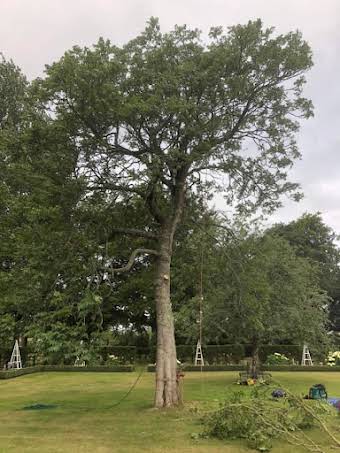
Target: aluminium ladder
[15, 361]
[306, 357]
[199, 360]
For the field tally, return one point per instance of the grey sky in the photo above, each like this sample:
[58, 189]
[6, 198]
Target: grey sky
[36, 32]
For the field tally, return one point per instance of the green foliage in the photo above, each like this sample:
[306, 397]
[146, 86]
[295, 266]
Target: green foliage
[117, 138]
[333, 358]
[277, 359]
[63, 344]
[13, 87]
[7, 330]
[293, 352]
[260, 421]
[313, 240]
[119, 354]
[263, 293]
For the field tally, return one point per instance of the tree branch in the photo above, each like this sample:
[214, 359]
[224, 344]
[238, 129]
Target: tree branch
[117, 187]
[133, 232]
[132, 259]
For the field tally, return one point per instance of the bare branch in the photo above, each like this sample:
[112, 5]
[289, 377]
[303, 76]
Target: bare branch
[117, 187]
[132, 259]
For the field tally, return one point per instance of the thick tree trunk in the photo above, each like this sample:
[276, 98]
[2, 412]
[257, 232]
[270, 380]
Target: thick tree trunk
[167, 389]
[254, 367]
[166, 366]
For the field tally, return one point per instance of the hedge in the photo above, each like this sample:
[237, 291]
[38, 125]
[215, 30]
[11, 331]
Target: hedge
[213, 354]
[214, 368]
[108, 369]
[152, 368]
[219, 354]
[294, 368]
[125, 354]
[223, 354]
[290, 351]
[9, 374]
[300, 368]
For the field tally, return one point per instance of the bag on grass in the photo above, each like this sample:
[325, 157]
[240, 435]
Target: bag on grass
[317, 392]
[278, 393]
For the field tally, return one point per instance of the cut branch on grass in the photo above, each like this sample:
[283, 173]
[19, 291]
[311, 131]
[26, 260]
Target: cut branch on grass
[258, 420]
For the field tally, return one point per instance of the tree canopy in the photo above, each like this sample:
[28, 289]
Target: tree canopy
[122, 141]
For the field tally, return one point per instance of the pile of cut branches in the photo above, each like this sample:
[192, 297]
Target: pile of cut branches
[258, 418]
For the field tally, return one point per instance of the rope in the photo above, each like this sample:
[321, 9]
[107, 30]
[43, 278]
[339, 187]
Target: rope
[129, 391]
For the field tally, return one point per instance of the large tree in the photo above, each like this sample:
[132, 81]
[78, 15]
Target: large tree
[13, 97]
[150, 118]
[13, 87]
[317, 242]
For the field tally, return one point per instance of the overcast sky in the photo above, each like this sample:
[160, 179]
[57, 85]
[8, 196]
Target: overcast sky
[37, 32]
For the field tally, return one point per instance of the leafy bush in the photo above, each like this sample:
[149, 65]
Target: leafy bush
[114, 360]
[334, 358]
[119, 354]
[223, 354]
[277, 359]
[290, 351]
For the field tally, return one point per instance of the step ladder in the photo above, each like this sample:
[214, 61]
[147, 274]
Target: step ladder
[79, 362]
[15, 361]
[306, 357]
[199, 356]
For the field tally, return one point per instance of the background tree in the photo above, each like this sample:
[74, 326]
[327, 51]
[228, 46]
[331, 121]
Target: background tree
[13, 91]
[13, 86]
[265, 294]
[314, 240]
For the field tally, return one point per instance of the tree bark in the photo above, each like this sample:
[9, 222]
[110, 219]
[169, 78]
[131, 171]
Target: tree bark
[166, 394]
[254, 368]
[167, 389]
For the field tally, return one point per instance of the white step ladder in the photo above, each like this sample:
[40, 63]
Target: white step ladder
[79, 362]
[15, 361]
[199, 356]
[306, 357]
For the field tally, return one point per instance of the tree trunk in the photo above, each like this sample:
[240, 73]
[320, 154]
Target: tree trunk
[254, 368]
[166, 366]
[167, 389]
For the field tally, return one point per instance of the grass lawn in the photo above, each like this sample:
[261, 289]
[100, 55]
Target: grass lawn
[85, 421]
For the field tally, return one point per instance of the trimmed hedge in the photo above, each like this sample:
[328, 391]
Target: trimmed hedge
[214, 368]
[9, 374]
[108, 369]
[152, 368]
[223, 354]
[300, 368]
[294, 368]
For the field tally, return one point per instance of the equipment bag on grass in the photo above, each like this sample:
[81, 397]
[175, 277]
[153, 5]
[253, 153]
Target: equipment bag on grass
[317, 392]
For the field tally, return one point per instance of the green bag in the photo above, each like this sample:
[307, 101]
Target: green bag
[317, 392]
